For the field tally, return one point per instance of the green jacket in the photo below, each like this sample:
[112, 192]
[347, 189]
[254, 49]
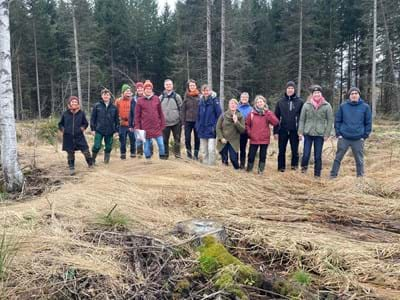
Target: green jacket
[316, 122]
[229, 130]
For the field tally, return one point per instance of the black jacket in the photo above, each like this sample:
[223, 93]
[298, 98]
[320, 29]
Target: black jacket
[104, 120]
[288, 111]
[131, 120]
[71, 126]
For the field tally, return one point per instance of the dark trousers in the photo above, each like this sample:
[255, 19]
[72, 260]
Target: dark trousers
[318, 142]
[108, 142]
[233, 155]
[124, 133]
[189, 127]
[71, 158]
[286, 136]
[253, 151]
[243, 144]
[176, 133]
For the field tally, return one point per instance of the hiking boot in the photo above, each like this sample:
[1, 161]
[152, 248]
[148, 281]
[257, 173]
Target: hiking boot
[261, 168]
[281, 170]
[133, 155]
[163, 157]
[242, 165]
[189, 154]
[196, 154]
[71, 165]
[123, 156]
[94, 155]
[250, 167]
[303, 170]
[88, 158]
[106, 158]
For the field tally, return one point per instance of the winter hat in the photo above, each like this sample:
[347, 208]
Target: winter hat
[291, 83]
[139, 84]
[105, 91]
[125, 87]
[70, 99]
[354, 89]
[147, 84]
[316, 88]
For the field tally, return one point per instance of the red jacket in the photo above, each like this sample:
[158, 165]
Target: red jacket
[149, 116]
[258, 127]
[124, 106]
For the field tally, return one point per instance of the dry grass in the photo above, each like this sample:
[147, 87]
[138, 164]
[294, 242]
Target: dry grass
[345, 232]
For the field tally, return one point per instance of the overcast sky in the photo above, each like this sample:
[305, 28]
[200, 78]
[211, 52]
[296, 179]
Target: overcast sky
[161, 4]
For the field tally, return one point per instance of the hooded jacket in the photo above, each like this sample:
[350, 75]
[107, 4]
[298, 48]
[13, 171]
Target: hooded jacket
[353, 120]
[316, 122]
[207, 117]
[258, 126]
[104, 119]
[288, 111]
[245, 109]
[149, 116]
[230, 130]
[171, 106]
[71, 124]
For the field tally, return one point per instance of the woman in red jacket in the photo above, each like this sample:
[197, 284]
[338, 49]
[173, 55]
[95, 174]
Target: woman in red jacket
[258, 124]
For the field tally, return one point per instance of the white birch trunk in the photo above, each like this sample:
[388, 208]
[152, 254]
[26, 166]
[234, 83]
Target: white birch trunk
[9, 159]
[37, 72]
[300, 50]
[209, 57]
[78, 72]
[88, 90]
[373, 84]
[222, 70]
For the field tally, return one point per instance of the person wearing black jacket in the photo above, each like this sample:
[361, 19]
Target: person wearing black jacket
[104, 123]
[288, 111]
[73, 123]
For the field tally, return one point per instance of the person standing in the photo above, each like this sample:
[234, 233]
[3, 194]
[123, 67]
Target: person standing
[190, 108]
[123, 105]
[316, 121]
[131, 121]
[207, 117]
[288, 111]
[258, 124]
[229, 127]
[150, 118]
[104, 123]
[171, 104]
[353, 125]
[245, 109]
[73, 124]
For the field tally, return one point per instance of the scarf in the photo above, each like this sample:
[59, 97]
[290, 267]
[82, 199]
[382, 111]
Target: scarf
[317, 103]
[194, 93]
[260, 111]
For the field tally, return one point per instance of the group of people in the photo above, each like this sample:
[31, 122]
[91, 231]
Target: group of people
[211, 129]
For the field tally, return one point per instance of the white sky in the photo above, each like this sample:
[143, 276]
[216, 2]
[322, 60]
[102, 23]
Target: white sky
[161, 4]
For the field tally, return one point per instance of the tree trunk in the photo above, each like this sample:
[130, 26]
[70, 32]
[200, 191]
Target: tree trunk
[78, 72]
[373, 84]
[187, 65]
[16, 94]
[53, 100]
[88, 90]
[209, 57]
[112, 70]
[13, 176]
[222, 70]
[19, 87]
[300, 49]
[37, 72]
[341, 73]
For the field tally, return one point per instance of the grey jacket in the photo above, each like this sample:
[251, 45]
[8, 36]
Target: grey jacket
[316, 122]
[171, 106]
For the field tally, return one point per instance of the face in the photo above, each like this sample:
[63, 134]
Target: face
[244, 98]
[232, 105]
[192, 86]
[139, 91]
[74, 104]
[148, 91]
[168, 85]
[354, 96]
[317, 94]
[106, 97]
[206, 92]
[128, 93]
[290, 91]
[260, 103]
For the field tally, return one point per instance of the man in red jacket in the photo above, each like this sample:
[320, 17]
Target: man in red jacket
[150, 118]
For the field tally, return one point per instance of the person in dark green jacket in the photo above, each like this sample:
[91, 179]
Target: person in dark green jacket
[315, 127]
[229, 127]
[104, 123]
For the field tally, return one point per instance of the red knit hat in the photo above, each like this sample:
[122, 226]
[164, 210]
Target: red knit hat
[139, 84]
[147, 84]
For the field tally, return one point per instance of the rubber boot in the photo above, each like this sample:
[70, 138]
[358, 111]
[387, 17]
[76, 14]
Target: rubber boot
[261, 167]
[189, 154]
[71, 165]
[196, 154]
[94, 155]
[123, 155]
[88, 158]
[106, 158]
[242, 165]
[249, 167]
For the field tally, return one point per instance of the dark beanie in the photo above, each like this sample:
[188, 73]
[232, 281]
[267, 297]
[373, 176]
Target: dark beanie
[291, 83]
[316, 88]
[354, 89]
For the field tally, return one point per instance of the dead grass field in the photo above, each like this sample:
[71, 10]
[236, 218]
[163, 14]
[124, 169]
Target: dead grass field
[345, 232]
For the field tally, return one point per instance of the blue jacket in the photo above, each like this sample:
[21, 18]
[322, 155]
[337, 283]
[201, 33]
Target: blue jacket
[245, 109]
[353, 120]
[207, 117]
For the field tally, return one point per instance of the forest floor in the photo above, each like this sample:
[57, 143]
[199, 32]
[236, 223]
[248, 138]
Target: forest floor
[63, 242]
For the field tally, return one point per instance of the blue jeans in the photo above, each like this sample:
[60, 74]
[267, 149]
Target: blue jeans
[124, 133]
[318, 142]
[233, 155]
[149, 143]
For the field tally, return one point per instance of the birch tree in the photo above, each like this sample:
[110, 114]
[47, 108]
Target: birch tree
[300, 49]
[9, 157]
[222, 71]
[373, 84]
[209, 57]
[78, 68]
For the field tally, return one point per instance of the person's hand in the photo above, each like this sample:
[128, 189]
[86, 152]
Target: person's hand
[276, 137]
[300, 137]
[223, 141]
[93, 132]
[234, 117]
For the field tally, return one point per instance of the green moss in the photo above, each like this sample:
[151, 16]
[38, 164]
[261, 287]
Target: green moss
[228, 272]
[182, 286]
[302, 277]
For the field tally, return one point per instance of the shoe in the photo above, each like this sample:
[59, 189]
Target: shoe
[163, 157]
[72, 172]
[261, 168]
[242, 166]
[133, 155]
[106, 158]
[294, 168]
[281, 170]
[94, 155]
[123, 156]
[303, 170]
[250, 167]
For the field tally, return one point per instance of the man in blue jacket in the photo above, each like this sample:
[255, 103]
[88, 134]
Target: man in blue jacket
[353, 126]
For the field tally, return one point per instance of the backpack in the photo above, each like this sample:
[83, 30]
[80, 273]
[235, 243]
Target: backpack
[174, 97]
